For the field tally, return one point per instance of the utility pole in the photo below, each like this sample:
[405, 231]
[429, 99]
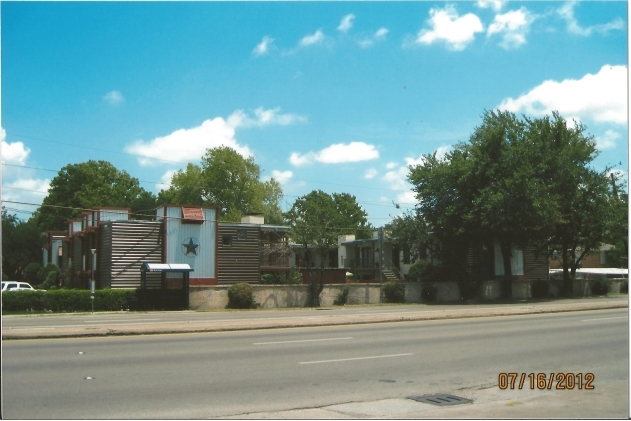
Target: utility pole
[380, 263]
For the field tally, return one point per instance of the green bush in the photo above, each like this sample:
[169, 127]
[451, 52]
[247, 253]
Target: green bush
[68, 278]
[30, 273]
[429, 293]
[600, 286]
[22, 301]
[67, 300]
[342, 297]
[295, 277]
[624, 287]
[51, 280]
[241, 296]
[267, 279]
[394, 292]
[45, 272]
[273, 279]
[540, 289]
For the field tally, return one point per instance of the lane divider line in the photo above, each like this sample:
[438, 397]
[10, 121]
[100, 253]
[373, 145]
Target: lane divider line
[605, 318]
[304, 340]
[355, 359]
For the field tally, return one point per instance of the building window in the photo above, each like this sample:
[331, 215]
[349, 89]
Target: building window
[227, 240]
[242, 234]
[406, 254]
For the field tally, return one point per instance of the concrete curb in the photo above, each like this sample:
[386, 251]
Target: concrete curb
[298, 322]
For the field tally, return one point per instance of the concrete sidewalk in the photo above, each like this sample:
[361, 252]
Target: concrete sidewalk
[423, 312]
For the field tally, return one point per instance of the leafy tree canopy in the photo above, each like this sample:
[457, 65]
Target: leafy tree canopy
[517, 182]
[21, 244]
[318, 218]
[88, 184]
[227, 179]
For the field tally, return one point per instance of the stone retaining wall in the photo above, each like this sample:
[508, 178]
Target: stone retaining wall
[281, 296]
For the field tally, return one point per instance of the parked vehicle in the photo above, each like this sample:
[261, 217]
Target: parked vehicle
[16, 286]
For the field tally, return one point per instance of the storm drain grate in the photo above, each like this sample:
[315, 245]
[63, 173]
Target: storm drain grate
[441, 400]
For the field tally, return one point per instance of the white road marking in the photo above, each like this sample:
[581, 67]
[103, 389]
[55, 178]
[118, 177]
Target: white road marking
[304, 340]
[354, 359]
[119, 320]
[605, 318]
[30, 328]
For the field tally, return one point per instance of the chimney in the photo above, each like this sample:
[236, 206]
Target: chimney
[253, 218]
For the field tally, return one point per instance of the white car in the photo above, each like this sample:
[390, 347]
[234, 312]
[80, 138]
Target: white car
[16, 286]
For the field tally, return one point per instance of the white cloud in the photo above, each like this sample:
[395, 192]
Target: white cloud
[316, 38]
[607, 140]
[32, 189]
[380, 34]
[190, 144]
[493, 4]
[14, 153]
[406, 198]
[398, 178]
[601, 97]
[282, 176]
[457, 32]
[442, 151]
[370, 173]
[391, 165]
[337, 154]
[346, 23]
[567, 13]
[263, 47]
[165, 181]
[512, 27]
[414, 162]
[114, 98]
[621, 175]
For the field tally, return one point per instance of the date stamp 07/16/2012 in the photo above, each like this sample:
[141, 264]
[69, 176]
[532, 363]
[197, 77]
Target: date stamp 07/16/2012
[541, 381]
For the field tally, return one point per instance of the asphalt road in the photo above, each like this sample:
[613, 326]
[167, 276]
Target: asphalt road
[105, 323]
[207, 375]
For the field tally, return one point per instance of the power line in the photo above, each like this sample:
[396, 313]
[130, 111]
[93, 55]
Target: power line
[164, 160]
[206, 188]
[156, 216]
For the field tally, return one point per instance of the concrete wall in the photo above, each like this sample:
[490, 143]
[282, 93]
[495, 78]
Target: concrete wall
[282, 296]
[446, 291]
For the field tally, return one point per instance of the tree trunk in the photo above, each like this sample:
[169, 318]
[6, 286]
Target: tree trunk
[507, 283]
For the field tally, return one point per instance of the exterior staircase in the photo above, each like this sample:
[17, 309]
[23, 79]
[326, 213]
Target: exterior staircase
[390, 275]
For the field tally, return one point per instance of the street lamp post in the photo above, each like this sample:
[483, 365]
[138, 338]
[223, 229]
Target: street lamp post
[92, 278]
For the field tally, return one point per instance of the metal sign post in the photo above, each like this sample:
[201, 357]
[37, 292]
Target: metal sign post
[92, 278]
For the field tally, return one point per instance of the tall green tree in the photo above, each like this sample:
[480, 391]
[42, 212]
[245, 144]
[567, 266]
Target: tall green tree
[585, 200]
[317, 219]
[227, 179]
[22, 243]
[88, 184]
[486, 191]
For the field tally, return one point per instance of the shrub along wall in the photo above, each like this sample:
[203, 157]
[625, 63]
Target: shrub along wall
[68, 300]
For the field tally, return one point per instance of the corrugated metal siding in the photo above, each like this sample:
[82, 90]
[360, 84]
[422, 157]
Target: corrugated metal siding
[133, 243]
[104, 279]
[203, 236]
[238, 262]
[65, 255]
[536, 267]
[76, 253]
[113, 215]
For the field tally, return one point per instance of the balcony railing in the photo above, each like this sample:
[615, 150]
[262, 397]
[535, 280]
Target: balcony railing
[361, 263]
[274, 254]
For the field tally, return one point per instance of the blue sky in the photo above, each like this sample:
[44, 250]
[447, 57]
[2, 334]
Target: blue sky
[338, 96]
